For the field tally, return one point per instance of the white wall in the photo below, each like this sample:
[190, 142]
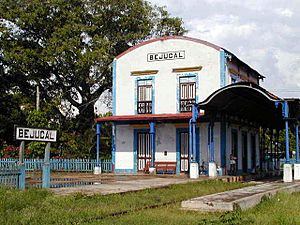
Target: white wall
[196, 54]
[204, 143]
[165, 141]
[124, 147]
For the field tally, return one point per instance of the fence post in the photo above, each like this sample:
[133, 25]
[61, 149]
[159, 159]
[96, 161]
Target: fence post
[22, 166]
[46, 167]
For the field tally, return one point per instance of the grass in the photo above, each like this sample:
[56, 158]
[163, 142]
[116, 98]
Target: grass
[282, 209]
[35, 206]
[151, 206]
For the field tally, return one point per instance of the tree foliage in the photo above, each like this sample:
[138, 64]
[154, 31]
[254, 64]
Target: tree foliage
[67, 47]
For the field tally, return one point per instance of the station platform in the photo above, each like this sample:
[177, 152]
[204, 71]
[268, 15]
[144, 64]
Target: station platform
[242, 198]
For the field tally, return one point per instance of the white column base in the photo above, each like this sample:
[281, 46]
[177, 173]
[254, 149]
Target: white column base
[194, 170]
[97, 170]
[152, 170]
[297, 171]
[212, 169]
[287, 173]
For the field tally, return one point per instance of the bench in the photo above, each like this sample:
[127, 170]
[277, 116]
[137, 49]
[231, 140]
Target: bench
[165, 167]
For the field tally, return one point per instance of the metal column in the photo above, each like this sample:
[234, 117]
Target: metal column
[212, 147]
[297, 142]
[287, 143]
[98, 128]
[152, 136]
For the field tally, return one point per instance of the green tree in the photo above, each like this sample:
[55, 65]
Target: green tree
[67, 47]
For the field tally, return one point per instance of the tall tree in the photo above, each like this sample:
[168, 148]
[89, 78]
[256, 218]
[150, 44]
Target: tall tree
[67, 47]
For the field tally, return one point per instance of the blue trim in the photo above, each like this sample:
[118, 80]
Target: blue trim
[188, 74]
[113, 145]
[152, 136]
[287, 145]
[212, 143]
[135, 160]
[297, 142]
[223, 144]
[208, 142]
[152, 78]
[198, 153]
[98, 128]
[127, 171]
[114, 90]
[222, 68]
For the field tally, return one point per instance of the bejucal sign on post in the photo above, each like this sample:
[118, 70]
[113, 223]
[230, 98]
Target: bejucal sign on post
[35, 134]
[161, 56]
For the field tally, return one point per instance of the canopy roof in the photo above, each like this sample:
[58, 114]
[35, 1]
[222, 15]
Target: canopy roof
[142, 118]
[245, 100]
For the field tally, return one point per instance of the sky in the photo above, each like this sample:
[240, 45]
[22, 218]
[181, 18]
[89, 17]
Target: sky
[265, 34]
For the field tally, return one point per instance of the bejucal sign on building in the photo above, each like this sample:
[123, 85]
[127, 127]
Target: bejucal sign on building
[35, 134]
[161, 56]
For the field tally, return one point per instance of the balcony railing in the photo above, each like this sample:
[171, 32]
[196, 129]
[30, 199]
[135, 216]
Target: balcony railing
[144, 107]
[186, 104]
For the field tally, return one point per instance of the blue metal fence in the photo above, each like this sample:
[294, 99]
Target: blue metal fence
[63, 165]
[10, 175]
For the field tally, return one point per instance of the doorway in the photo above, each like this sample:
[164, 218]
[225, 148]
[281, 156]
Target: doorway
[184, 151]
[143, 150]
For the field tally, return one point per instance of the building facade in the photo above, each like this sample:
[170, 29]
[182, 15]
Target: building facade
[155, 85]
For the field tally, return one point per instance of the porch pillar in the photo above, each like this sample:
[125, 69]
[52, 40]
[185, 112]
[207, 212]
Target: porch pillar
[271, 150]
[97, 169]
[212, 167]
[194, 166]
[297, 164]
[287, 168]
[152, 136]
[285, 112]
[212, 147]
[277, 149]
[297, 141]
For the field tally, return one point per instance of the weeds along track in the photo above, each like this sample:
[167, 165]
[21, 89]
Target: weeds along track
[125, 212]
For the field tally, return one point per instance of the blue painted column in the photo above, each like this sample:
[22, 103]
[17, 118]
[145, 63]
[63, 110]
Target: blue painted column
[152, 136]
[287, 144]
[297, 142]
[190, 141]
[22, 166]
[208, 143]
[113, 146]
[98, 128]
[46, 167]
[212, 147]
[194, 134]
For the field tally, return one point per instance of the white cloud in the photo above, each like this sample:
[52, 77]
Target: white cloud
[264, 34]
[284, 12]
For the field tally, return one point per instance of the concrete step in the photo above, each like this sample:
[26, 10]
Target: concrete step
[242, 198]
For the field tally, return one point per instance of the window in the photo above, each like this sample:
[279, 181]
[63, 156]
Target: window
[187, 87]
[144, 97]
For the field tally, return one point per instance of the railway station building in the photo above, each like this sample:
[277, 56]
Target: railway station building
[189, 106]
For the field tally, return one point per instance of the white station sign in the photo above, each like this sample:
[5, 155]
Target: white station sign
[35, 134]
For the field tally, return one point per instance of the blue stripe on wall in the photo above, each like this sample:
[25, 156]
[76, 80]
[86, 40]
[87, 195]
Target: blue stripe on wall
[114, 74]
[222, 69]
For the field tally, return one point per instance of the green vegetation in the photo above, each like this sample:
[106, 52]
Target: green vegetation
[152, 206]
[67, 48]
[35, 206]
